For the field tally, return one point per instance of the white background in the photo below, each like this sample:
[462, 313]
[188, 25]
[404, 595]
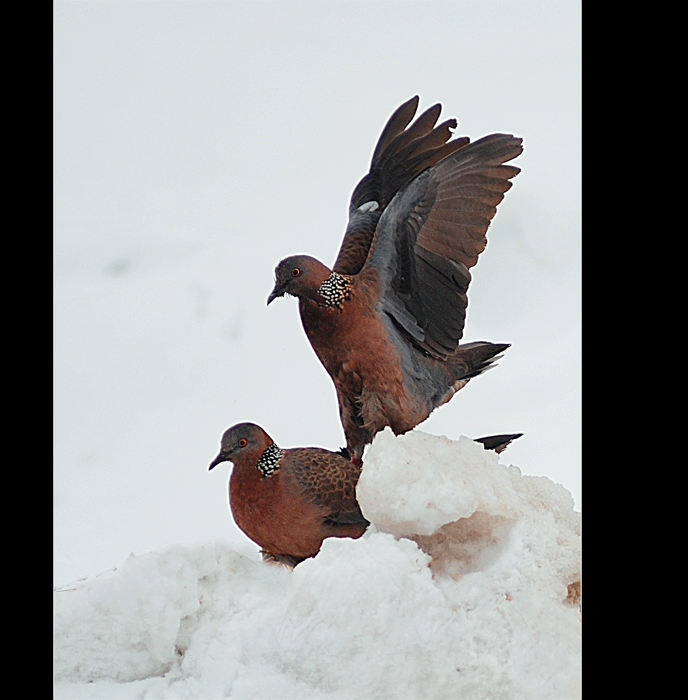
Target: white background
[198, 143]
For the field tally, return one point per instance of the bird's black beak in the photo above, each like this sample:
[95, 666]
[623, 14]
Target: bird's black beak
[218, 460]
[276, 292]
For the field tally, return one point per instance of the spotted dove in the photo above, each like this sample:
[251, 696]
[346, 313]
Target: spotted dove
[387, 319]
[289, 501]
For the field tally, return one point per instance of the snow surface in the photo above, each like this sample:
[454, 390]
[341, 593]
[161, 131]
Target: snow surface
[463, 587]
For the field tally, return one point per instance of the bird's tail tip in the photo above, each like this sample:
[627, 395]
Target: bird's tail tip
[498, 443]
[481, 356]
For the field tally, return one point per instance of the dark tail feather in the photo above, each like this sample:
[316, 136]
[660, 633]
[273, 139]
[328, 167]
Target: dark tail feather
[344, 453]
[498, 443]
[479, 357]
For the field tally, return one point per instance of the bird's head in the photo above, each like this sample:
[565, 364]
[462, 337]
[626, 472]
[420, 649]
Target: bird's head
[300, 276]
[242, 442]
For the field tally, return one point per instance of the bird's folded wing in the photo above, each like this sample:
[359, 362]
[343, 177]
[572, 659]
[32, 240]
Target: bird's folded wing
[432, 233]
[399, 156]
[331, 482]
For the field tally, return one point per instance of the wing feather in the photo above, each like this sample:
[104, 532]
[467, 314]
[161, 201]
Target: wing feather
[331, 481]
[400, 155]
[432, 234]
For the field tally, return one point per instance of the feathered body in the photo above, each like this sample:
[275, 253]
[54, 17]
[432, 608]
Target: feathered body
[288, 501]
[386, 321]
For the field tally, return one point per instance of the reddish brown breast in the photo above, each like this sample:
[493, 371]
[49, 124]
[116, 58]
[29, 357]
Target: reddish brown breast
[275, 512]
[353, 346]
[352, 337]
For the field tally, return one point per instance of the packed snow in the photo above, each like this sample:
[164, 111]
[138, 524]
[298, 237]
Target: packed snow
[466, 584]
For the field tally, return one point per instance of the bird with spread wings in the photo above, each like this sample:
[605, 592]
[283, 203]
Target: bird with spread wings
[387, 319]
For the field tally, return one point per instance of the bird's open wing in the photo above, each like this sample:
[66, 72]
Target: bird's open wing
[399, 156]
[331, 479]
[432, 233]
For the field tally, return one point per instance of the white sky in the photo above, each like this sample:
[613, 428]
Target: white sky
[198, 143]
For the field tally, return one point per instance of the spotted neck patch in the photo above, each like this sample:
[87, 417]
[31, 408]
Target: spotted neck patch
[270, 459]
[335, 290]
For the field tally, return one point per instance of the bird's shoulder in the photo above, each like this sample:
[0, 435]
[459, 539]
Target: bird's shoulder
[328, 478]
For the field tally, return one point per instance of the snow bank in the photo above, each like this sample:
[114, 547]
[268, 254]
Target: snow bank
[465, 509]
[464, 587]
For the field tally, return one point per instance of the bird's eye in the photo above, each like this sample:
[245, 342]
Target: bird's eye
[243, 442]
[295, 272]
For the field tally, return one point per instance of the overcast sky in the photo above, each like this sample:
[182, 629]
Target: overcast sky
[198, 143]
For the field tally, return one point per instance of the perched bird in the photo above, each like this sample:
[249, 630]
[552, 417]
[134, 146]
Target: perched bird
[289, 501]
[387, 319]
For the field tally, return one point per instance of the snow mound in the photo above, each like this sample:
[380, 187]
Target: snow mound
[470, 591]
[461, 506]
